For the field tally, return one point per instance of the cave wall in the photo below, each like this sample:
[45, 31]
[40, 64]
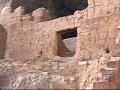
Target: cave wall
[57, 8]
[4, 3]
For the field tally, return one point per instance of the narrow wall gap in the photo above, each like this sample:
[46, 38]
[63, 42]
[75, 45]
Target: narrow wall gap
[3, 40]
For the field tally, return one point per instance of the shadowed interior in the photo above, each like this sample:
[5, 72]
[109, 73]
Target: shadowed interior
[3, 40]
[67, 42]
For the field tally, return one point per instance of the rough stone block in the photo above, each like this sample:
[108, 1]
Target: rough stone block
[111, 64]
[101, 85]
[107, 71]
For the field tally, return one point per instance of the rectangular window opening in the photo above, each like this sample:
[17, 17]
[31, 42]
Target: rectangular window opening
[67, 42]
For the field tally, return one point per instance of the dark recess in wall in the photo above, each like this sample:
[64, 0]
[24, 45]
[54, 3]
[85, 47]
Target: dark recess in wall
[69, 33]
[64, 46]
[3, 41]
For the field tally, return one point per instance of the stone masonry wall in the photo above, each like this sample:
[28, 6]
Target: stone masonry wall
[20, 35]
[100, 8]
[95, 36]
[32, 61]
[44, 34]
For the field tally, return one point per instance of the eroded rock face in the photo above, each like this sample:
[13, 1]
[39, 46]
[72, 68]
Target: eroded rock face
[4, 3]
[41, 14]
[6, 10]
[20, 11]
[57, 8]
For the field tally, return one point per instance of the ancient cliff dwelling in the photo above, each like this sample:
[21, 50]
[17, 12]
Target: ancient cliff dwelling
[60, 44]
